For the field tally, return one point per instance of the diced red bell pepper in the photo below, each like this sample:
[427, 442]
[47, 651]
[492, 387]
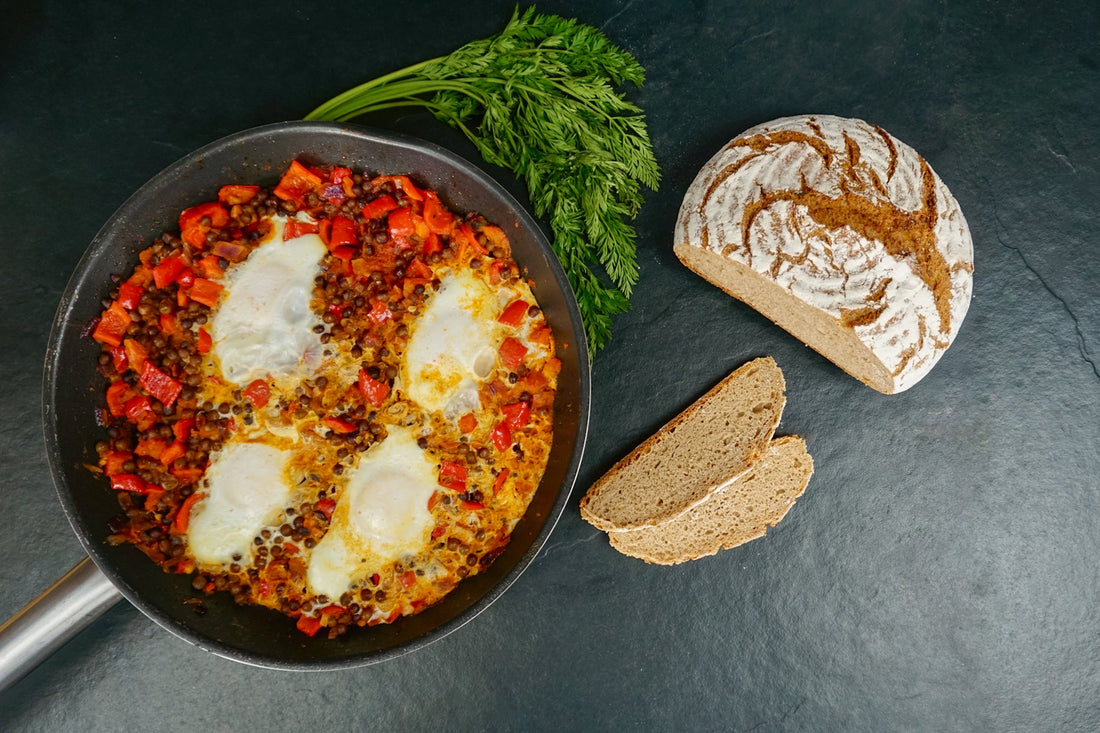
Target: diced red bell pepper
[432, 245]
[498, 484]
[183, 516]
[295, 228]
[512, 353]
[495, 268]
[338, 425]
[135, 354]
[206, 291]
[187, 475]
[114, 461]
[297, 182]
[436, 215]
[339, 173]
[173, 453]
[169, 326]
[118, 394]
[452, 475]
[237, 194]
[403, 183]
[210, 267]
[167, 270]
[258, 392]
[182, 428]
[379, 313]
[206, 342]
[151, 447]
[401, 222]
[471, 506]
[112, 325]
[374, 391]
[309, 625]
[139, 411]
[514, 313]
[159, 384]
[408, 579]
[128, 482]
[501, 436]
[467, 242]
[129, 295]
[418, 269]
[192, 217]
[326, 506]
[379, 207]
[433, 500]
[118, 358]
[516, 414]
[343, 233]
[467, 423]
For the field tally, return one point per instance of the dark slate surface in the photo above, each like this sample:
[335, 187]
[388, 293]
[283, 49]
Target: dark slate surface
[939, 574]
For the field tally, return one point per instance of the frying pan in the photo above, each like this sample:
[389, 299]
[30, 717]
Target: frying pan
[72, 389]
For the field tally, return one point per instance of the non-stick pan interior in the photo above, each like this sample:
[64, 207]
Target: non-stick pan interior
[73, 389]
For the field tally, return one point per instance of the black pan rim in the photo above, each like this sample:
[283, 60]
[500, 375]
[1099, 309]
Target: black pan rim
[64, 320]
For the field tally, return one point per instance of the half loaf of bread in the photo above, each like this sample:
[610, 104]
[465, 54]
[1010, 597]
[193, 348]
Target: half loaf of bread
[740, 511]
[842, 235]
[713, 440]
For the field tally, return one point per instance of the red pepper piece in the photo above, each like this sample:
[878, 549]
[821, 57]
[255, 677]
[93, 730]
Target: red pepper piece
[327, 506]
[436, 216]
[452, 475]
[432, 245]
[512, 353]
[374, 391]
[206, 291]
[514, 313]
[472, 506]
[173, 453]
[129, 295]
[467, 242]
[379, 313]
[467, 423]
[417, 269]
[408, 579]
[501, 436]
[159, 384]
[237, 194]
[401, 222]
[379, 207]
[498, 484]
[516, 414]
[309, 625]
[114, 461]
[403, 183]
[167, 270]
[118, 358]
[139, 411]
[151, 447]
[295, 228]
[339, 173]
[338, 425]
[112, 325]
[183, 516]
[192, 217]
[343, 233]
[206, 342]
[182, 428]
[187, 475]
[297, 182]
[128, 482]
[210, 267]
[258, 392]
[118, 394]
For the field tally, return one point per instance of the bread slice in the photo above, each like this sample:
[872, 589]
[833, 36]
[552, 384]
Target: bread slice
[702, 448]
[738, 512]
[842, 235]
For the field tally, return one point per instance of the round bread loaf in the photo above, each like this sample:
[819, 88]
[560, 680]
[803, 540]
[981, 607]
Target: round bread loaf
[842, 235]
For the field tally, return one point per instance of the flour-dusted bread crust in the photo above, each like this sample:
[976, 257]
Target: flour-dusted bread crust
[842, 235]
[733, 515]
[702, 448]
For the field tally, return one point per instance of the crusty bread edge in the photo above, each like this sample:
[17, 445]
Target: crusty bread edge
[669, 427]
[727, 545]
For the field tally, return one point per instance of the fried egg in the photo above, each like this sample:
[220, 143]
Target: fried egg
[382, 514]
[453, 345]
[246, 490]
[264, 326]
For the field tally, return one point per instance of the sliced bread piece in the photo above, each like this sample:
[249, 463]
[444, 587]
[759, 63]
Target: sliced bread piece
[736, 513]
[702, 448]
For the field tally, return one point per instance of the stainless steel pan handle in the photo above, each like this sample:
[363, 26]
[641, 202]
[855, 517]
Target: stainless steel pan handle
[51, 619]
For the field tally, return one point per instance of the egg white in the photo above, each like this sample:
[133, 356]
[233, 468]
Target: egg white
[264, 325]
[246, 490]
[381, 515]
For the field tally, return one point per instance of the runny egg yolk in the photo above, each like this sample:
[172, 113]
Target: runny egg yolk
[265, 326]
[245, 492]
[381, 515]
